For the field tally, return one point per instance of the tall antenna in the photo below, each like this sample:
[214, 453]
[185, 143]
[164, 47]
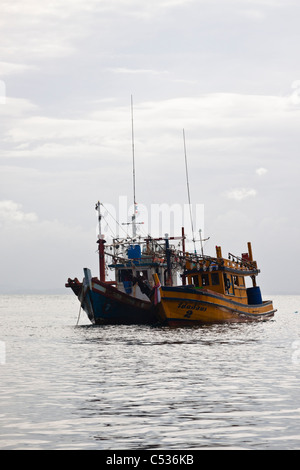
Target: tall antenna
[101, 243]
[133, 174]
[188, 191]
[98, 209]
[133, 217]
[133, 157]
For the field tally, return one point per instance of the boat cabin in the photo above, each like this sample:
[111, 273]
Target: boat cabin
[225, 276]
[134, 273]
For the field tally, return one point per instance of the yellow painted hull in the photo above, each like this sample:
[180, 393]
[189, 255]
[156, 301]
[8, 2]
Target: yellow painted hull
[189, 306]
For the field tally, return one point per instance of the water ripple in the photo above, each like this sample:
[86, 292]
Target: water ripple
[121, 387]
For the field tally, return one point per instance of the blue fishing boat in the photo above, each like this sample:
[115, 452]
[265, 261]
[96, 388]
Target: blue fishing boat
[133, 263]
[134, 260]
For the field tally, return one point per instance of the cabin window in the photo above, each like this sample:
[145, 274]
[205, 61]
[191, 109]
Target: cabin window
[226, 283]
[144, 274]
[205, 281]
[215, 281]
[229, 284]
[195, 281]
[125, 275]
[236, 280]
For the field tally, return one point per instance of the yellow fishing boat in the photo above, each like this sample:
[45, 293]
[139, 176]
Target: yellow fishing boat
[214, 290]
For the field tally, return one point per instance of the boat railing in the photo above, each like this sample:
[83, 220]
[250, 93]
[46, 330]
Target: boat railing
[192, 261]
[241, 262]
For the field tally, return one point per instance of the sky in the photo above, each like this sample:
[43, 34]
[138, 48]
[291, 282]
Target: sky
[225, 71]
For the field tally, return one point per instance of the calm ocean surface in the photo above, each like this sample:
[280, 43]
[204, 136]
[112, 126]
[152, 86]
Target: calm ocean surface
[121, 387]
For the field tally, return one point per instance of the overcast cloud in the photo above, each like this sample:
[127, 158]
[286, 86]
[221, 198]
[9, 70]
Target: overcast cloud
[227, 71]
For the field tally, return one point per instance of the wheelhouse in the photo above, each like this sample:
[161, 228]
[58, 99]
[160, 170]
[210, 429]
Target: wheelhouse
[224, 276]
[135, 268]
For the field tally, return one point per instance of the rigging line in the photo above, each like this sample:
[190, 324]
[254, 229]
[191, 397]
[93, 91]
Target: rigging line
[112, 232]
[117, 222]
[78, 315]
[188, 190]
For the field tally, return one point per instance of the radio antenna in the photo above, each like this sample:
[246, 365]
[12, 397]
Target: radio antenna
[133, 156]
[188, 190]
[133, 175]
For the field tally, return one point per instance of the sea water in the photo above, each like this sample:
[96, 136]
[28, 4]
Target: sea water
[146, 387]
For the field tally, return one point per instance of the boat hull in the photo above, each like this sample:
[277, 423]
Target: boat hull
[106, 305]
[188, 306]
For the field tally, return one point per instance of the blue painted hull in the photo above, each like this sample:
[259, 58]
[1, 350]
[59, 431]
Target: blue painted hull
[112, 311]
[105, 305]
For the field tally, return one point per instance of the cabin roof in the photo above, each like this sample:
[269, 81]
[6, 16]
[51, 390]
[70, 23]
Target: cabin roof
[136, 263]
[238, 272]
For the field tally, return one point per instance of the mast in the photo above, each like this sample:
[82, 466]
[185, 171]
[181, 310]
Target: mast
[133, 222]
[183, 252]
[97, 207]
[188, 191]
[201, 241]
[133, 219]
[168, 256]
[101, 243]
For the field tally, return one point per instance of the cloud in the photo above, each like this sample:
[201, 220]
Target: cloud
[38, 253]
[35, 30]
[294, 98]
[261, 171]
[129, 71]
[2, 92]
[16, 108]
[219, 126]
[210, 67]
[10, 68]
[239, 194]
[253, 14]
[11, 211]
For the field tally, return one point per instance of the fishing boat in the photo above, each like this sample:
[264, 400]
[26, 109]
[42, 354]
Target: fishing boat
[133, 263]
[213, 291]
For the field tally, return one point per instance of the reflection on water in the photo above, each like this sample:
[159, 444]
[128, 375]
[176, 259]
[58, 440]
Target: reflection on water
[122, 387]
